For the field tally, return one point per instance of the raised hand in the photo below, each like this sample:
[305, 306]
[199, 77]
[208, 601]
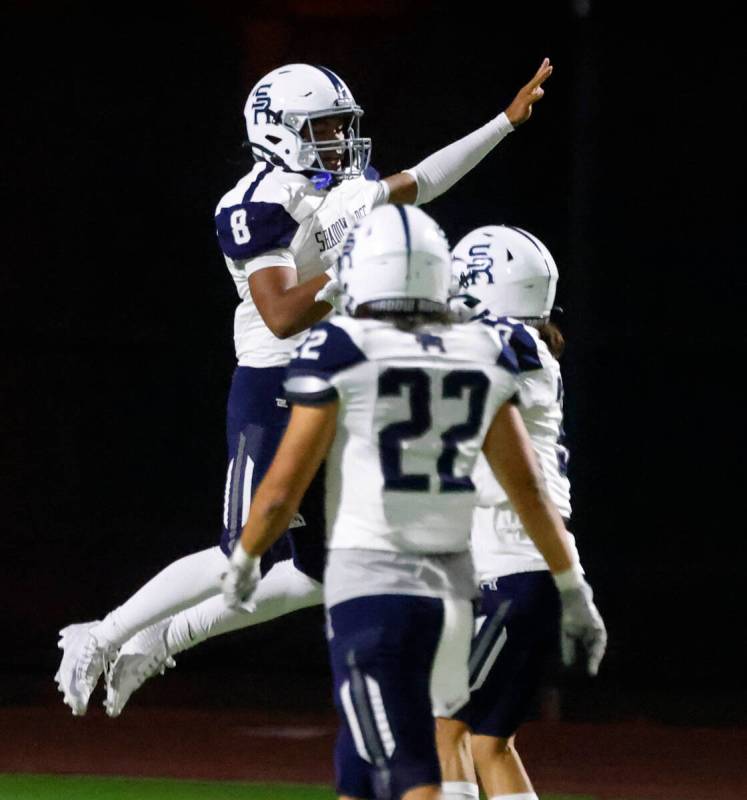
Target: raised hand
[521, 106]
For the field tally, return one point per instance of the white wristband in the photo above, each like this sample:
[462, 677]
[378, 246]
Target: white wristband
[382, 194]
[241, 559]
[571, 578]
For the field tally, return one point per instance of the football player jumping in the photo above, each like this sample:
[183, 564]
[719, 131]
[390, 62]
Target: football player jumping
[280, 229]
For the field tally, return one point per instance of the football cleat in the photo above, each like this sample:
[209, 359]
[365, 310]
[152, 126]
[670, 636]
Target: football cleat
[141, 657]
[83, 662]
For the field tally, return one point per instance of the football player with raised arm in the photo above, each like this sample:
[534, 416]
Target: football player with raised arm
[507, 274]
[400, 402]
[280, 229]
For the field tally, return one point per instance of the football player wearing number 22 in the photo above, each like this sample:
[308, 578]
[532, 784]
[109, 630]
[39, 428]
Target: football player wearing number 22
[400, 402]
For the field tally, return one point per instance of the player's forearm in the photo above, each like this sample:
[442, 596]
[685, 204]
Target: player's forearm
[270, 514]
[545, 527]
[403, 188]
[302, 449]
[439, 172]
[510, 454]
[539, 516]
[294, 310]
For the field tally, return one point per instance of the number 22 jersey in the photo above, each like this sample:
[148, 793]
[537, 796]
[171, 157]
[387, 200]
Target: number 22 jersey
[414, 408]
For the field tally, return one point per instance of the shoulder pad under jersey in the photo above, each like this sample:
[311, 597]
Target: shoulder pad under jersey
[257, 214]
[327, 349]
[521, 339]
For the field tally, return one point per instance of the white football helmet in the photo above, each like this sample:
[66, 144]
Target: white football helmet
[278, 115]
[396, 259]
[507, 270]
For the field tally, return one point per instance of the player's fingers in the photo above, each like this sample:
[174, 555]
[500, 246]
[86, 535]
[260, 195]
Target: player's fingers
[567, 649]
[536, 94]
[596, 646]
[596, 653]
[542, 74]
[542, 67]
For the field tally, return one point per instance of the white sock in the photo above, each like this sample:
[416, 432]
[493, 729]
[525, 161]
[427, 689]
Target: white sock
[521, 796]
[459, 790]
[183, 583]
[284, 589]
[146, 640]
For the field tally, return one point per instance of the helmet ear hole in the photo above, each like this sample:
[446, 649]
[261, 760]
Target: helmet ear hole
[273, 139]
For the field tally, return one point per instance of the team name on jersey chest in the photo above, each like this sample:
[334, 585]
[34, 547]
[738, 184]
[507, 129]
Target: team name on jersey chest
[333, 234]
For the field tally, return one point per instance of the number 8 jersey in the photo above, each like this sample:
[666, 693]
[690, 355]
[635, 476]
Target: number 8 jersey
[276, 218]
[414, 408]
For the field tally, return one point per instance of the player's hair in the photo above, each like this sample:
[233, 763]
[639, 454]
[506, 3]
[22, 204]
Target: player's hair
[552, 336]
[405, 313]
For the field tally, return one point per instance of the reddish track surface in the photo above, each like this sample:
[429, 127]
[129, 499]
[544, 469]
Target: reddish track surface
[635, 761]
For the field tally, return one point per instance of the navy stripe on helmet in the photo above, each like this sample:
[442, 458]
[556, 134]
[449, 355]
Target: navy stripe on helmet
[408, 241]
[534, 242]
[336, 82]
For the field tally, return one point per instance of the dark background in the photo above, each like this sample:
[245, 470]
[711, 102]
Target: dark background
[116, 354]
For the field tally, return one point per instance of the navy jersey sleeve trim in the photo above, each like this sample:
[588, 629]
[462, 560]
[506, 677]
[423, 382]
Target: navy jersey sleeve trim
[525, 347]
[524, 355]
[308, 389]
[249, 229]
[508, 360]
[321, 398]
[326, 350]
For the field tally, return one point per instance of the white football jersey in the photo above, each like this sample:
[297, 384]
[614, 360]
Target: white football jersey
[414, 410]
[277, 218]
[500, 545]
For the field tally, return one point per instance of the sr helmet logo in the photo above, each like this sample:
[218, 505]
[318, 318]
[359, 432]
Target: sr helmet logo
[481, 263]
[519, 272]
[261, 104]
[280, 112]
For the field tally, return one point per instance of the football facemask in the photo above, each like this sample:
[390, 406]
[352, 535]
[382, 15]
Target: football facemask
[280, 113]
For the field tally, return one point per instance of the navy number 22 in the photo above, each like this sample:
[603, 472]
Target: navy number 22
[392, 382]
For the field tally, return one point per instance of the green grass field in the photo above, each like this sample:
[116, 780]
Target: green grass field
[55, 787]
